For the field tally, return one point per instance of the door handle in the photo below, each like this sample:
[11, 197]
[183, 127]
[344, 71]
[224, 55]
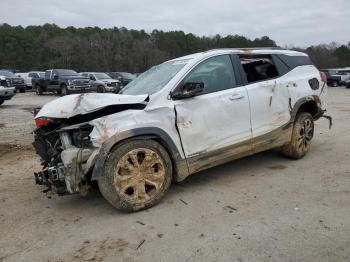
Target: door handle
[236, 97]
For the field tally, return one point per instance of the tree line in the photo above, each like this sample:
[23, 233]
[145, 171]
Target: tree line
[119, 49]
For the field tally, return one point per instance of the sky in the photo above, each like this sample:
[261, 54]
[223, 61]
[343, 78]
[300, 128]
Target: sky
[293, 22]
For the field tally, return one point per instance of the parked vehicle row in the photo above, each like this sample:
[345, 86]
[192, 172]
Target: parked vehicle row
[66, 81]
[336, 77]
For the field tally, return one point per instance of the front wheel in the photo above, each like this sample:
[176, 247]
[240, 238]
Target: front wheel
[64, 90]
[101, 89]
[137, 175]
[302, 134]
[1, 102]
[22, 90]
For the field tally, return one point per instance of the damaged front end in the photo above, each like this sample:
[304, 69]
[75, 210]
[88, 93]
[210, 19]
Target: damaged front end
[67, 156]
[62, 138]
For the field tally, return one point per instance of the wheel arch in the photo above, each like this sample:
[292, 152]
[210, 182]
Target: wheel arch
[310, 104]
[179, 164]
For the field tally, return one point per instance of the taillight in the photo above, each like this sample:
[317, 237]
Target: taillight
[43, 121]
[323, 77]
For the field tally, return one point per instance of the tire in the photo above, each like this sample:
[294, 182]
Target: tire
[302, 134]
[101, 89]
[1, 102]
[64, 90]
[125, 184]
[22, 90]
[334, 84]
[38, 90]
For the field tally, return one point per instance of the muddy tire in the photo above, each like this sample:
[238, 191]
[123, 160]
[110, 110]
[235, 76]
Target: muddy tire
[302, 134]
[137, 175]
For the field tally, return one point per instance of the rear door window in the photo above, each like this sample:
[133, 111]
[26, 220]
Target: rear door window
[258, 67]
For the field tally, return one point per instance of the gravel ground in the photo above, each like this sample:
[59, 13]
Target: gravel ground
[260, 208]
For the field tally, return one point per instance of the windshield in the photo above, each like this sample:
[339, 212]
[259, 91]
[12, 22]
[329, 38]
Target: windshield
[6, 73]
[102, 76]
[127, 75]
[63, 72]
[154, 79]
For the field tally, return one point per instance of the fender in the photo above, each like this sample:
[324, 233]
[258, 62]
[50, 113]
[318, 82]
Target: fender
[180, 164]
[316, 110]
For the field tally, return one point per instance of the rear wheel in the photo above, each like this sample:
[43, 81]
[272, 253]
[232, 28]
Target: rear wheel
[22, 90]
[302, 134]
[1, 102]
[137, 175]
[38, 90]
[335, 84]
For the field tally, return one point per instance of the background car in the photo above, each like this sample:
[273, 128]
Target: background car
[6, 90]
[17, 82]
[101, 82]
[61, 81]
[124, 77]
[27, 80]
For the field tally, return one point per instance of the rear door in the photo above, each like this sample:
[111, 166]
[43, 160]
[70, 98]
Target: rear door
[269, 97]
[217, 119]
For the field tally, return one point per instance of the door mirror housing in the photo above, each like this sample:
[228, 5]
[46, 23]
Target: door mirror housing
[188, 90]
[55, 77]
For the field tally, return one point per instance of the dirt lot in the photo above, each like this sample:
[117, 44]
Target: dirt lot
[260, 208]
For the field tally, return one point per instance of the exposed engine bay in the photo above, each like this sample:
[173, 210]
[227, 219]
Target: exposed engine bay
[62, 139]
[64, 153]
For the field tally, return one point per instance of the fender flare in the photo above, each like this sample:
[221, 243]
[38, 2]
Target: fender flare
[180, 164]
[314, 99]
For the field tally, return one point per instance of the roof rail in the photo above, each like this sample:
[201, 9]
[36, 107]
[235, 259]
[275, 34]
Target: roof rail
[249, 48]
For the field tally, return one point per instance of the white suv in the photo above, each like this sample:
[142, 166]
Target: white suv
[178, 118]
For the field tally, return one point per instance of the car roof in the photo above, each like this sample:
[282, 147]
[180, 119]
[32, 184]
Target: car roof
[247, 51]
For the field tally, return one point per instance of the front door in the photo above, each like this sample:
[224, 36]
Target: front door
[216, 123]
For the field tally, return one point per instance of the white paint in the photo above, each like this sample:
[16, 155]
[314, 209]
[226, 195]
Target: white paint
[72, 105]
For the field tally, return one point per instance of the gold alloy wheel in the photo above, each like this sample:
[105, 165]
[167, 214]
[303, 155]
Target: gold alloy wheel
[140, 174]
[305, 135]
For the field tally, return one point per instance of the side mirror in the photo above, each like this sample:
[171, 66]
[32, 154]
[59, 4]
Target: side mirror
[92, 78]
[189, 89]
[55, 77]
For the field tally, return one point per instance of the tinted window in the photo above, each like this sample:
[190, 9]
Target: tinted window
[64, 72]
[215, 73]
[294, 61]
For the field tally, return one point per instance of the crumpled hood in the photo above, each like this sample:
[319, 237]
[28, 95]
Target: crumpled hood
[80, 104]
